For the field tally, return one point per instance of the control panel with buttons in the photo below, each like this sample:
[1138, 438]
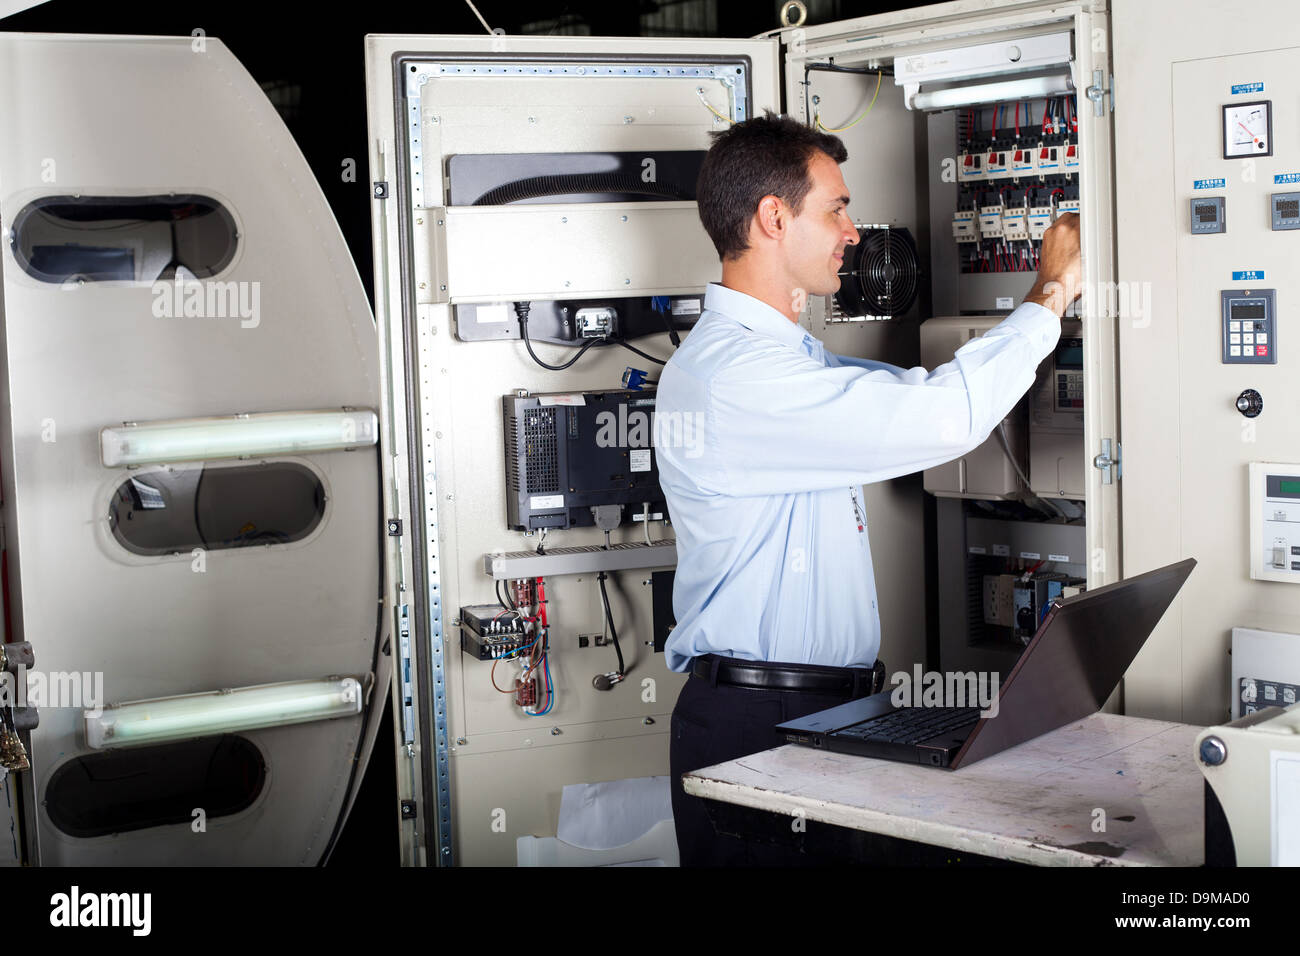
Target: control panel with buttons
[1249, 326]
[1275, 522]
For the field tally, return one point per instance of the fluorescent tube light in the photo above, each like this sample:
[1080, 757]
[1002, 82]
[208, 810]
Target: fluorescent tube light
[237, 436]
[222, 711]
[1010, 90]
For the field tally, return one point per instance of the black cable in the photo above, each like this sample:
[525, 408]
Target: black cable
[522, 309]
[668, 324]
[644, 355]
[501, 600]
[832, 68]
[609, 621]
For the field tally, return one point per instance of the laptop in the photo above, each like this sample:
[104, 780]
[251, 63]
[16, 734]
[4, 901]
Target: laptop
[1076, 659]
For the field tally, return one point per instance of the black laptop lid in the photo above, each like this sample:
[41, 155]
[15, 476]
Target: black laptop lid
[1076, 659]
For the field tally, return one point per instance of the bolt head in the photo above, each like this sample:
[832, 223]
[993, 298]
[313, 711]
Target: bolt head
[1213, 751]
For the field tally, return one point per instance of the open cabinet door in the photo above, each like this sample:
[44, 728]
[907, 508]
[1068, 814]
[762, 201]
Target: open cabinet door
[447, 114]
[1200, 233]
[168, 256]
[916, 97]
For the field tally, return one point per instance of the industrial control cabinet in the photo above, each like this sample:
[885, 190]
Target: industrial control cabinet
[450, 538]
[914, 96]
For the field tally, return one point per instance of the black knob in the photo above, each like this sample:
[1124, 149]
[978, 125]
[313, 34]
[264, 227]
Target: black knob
[1250, 403]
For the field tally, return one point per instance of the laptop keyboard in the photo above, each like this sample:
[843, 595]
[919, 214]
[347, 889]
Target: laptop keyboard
[911, 725]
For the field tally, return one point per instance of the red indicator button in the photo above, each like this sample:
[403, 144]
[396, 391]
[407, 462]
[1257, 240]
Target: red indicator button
[1261, 349]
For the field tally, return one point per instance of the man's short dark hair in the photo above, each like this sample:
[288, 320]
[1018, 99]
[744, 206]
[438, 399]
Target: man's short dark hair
[766, 155]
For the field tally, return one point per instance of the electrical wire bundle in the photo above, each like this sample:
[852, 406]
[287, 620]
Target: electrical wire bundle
[535, 657]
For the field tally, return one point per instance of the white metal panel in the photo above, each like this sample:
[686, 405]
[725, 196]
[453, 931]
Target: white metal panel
[444, 397]
[137, 117]
[1186, 448]
[591, 250]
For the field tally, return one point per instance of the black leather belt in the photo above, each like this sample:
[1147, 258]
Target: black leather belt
[809, 678]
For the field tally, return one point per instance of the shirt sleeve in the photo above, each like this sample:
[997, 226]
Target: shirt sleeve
[871, 365]
[782, 422]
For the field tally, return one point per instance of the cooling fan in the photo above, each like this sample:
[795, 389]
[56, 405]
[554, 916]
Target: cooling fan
[881, 275]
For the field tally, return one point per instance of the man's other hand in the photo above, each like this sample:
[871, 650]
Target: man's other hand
[1060, 272]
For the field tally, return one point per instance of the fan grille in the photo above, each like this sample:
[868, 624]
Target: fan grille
[881, 276]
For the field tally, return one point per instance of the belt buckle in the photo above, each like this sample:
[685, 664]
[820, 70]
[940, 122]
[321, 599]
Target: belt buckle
[878, 676]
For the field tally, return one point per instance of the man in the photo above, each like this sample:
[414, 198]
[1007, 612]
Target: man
[775, 595]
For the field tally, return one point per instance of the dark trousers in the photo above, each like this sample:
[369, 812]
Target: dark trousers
[711, 724]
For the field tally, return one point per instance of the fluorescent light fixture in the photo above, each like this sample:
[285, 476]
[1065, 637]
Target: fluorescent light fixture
[1057, 84]
[222, 711]
[237, 436]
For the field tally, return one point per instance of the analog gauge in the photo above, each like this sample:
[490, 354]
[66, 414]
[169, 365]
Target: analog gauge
[1248, 129]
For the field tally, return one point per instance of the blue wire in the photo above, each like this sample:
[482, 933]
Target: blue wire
[546, 666]
[550, 692]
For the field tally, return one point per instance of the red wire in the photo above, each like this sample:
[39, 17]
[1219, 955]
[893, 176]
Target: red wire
[1045, 114]
[1017, 121]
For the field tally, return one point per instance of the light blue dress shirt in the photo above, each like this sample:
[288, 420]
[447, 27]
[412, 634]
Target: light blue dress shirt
[764, 438]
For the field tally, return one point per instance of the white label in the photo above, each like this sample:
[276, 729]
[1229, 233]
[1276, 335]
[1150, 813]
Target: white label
[492, 313]
[1002, 550]
[640, 459]
[1058, 557]
[686, 307]
[1002, 302]
[537, 502]
[573, 399]
[973, 549]
[1030, 555]
[150, 497]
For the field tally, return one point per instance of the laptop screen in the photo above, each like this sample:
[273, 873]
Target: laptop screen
[1076, 659]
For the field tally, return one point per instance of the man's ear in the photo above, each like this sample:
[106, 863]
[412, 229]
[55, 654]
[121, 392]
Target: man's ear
[772, 218]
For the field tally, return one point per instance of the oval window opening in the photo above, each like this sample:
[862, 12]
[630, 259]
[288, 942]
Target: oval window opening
[214, 508]
[123, 238]
[123, 790]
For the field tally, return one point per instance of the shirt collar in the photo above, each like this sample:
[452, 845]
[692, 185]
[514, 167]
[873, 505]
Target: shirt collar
[758, 316]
